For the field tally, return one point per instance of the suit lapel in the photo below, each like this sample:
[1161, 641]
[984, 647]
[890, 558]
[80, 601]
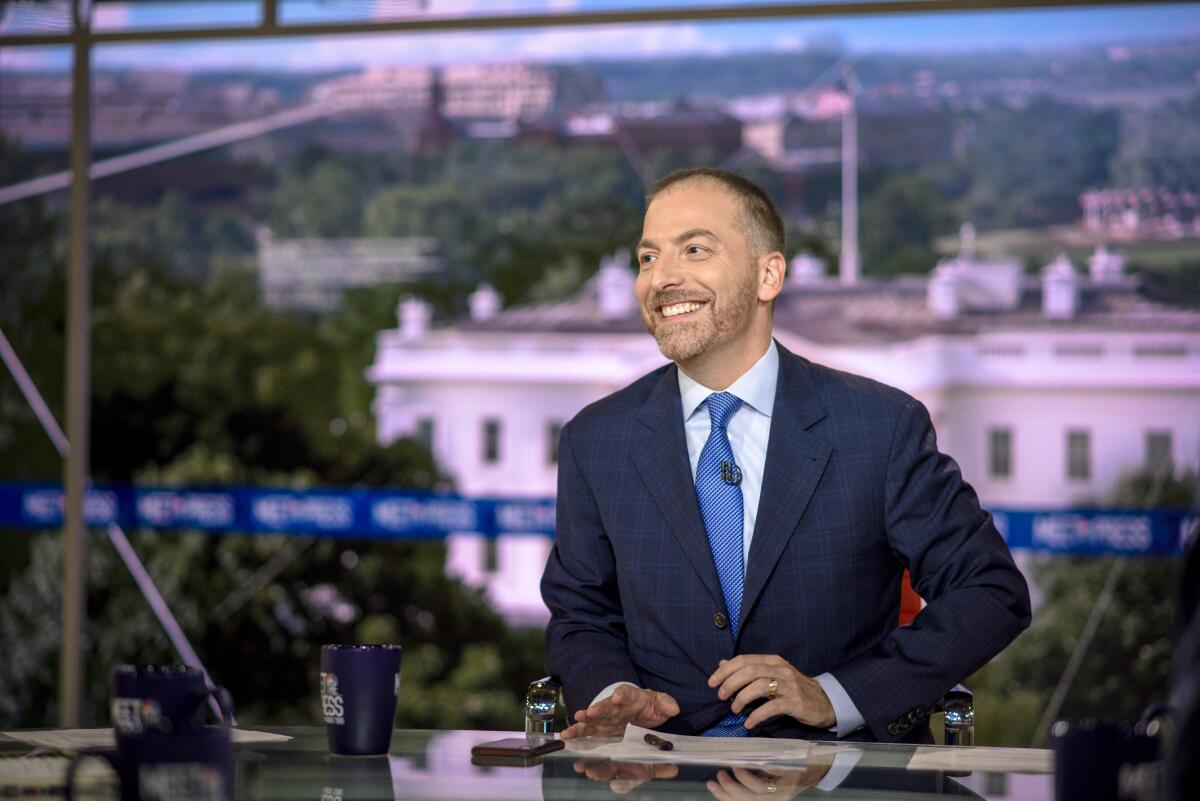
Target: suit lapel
[796, 460]
[661, 459]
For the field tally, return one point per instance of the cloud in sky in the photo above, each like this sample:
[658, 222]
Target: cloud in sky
[950, 32]
[677, 39]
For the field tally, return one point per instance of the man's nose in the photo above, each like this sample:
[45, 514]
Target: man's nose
[666, 274]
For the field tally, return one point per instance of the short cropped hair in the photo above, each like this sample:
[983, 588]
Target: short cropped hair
[760, 219]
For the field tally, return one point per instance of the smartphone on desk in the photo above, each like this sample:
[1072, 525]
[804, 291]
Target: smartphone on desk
[517, 748]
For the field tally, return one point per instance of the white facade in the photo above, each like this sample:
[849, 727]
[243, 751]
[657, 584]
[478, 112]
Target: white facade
[1114, 371]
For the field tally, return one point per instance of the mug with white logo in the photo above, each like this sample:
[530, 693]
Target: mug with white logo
[360, 686]
[164, 749]
[163, 698]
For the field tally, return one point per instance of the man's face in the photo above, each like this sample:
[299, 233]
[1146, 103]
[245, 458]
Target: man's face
[698, 281]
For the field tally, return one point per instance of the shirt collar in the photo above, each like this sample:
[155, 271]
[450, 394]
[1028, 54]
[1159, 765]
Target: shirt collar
[756, 386]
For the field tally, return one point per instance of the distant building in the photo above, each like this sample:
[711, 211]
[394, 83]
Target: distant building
[801, 130]
[891, 132]
[1044, 389]
[470, 91]
[313, 273]
[129, 108]
[1142, 212]
[683, 128]
[639, 128]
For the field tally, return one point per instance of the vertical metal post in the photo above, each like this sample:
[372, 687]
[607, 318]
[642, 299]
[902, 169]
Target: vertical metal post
[78, 378]
[849, 266]
[270, 15]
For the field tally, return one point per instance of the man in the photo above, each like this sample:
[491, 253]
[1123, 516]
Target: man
[732, 528]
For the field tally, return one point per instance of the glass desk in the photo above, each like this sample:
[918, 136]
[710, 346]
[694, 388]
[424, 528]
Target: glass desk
[437, 766]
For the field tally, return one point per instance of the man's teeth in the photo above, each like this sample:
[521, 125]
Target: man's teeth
[680, 308]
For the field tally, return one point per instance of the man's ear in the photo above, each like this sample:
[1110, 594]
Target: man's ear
[772, 270]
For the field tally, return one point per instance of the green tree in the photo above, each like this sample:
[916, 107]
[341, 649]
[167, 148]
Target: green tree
[1160, 146]
[1029, 163]
[326, 201]
[1128, 661]
[901, 219]
[198, 383]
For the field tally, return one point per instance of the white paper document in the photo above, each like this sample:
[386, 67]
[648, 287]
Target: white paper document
[76, 739]
[700, 750]
[983, 758]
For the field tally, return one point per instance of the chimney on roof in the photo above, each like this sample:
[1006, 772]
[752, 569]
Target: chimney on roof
[484, 303]
[941, 293]
[1106, 267]
[614, 284]
[966, 239]
[805, 269]
[1060, 289]
[413, 315]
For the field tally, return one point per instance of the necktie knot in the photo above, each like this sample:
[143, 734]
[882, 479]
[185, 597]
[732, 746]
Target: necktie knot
[721, 406]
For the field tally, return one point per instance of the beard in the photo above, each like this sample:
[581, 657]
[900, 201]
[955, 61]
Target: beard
[715, 323]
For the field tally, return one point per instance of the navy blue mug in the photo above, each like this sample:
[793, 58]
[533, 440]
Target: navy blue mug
[360, 685]
[1095, 761]
[161, 698]
[182, 766]
[164, 751]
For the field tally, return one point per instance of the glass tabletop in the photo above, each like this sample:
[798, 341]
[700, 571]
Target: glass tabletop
[437, 765]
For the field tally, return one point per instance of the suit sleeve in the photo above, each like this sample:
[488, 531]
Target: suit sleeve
[586, 643]
[977, 600]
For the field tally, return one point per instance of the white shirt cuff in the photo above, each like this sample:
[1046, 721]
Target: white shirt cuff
[609, 690]
[844, 710]
[843, 763]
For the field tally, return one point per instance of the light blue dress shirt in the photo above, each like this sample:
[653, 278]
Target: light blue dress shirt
[749, 432]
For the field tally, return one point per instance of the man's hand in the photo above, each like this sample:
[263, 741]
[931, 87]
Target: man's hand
[748, 677]
[624, 777]
[745, 785]
[627, 704]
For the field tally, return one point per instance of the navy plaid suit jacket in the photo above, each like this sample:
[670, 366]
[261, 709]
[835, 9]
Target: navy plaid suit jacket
[855, 491]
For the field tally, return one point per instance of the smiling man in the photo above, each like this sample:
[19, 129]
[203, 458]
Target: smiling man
[733, 527]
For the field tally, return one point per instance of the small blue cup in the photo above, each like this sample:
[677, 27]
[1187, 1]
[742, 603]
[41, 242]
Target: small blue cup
[360, 686]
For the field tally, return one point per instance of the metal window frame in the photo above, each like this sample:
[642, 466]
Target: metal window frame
[269, 25]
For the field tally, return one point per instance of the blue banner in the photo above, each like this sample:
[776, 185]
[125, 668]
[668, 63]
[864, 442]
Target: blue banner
[1098, 531]
[380, 514]
[387, 514]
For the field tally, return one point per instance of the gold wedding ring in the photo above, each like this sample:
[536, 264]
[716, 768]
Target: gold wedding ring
[771, 784]
[772, 691]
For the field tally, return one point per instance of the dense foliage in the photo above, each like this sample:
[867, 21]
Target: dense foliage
[1125, 668]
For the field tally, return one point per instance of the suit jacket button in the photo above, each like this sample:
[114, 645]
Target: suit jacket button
[720, 621]
[893, 729]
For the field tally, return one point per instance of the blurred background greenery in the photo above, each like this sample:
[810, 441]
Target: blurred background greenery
[196, 382]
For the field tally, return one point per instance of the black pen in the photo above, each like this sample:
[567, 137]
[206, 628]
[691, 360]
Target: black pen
[659, 743]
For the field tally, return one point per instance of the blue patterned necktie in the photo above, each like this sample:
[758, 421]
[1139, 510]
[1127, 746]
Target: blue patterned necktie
[719, 491]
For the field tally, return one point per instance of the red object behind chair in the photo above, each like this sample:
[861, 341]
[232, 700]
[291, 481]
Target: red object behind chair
[910, 602]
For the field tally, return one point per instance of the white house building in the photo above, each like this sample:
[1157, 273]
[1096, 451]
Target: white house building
[1044, 389]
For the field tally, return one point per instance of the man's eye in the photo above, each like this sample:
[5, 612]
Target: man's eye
[646, 258]
[693, 250]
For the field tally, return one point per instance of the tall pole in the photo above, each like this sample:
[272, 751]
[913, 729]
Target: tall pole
[849, 263]
[78, 379]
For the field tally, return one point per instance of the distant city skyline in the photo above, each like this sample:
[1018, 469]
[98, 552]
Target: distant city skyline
[967, 31]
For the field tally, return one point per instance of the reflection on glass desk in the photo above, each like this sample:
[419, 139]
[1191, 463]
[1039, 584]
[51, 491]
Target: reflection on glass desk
[437, 765]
